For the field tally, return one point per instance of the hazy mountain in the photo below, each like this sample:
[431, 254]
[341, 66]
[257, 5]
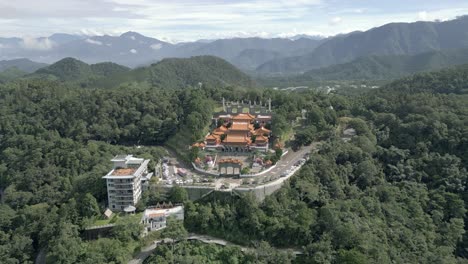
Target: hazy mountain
[70, 69]
[133, 49]
[390, 39]
[61, 38]
[11, 74]
[299, 36]
[250, 58]
[389, 66]
[24, 65]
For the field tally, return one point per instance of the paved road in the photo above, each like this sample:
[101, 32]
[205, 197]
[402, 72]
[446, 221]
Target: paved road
[144, 253]
[147, 251]
[286, 164]
[288, 160]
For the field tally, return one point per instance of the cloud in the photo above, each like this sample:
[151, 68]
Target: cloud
[2, 46]
[94, 42]
[335, 21]
[134, 51]
[156, 46]
[37, 43]
[422, 16]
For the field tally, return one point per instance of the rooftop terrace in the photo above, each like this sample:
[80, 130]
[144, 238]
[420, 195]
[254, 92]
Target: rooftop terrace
[124, 172]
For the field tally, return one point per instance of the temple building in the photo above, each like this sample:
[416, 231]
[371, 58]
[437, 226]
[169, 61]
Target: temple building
[239, 135]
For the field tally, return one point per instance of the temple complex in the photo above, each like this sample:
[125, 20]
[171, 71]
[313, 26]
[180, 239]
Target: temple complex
[237, 134]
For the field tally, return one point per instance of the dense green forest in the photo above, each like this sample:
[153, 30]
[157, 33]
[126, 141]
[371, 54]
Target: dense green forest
[166, 74]
[11, 74]
[395, 193]
[387, 67]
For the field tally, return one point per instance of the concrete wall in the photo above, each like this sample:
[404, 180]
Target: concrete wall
[261, 192]
[194, 192]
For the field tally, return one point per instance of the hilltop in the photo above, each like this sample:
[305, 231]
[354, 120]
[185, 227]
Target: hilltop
[180, 73]
[389, 39]
[24, 65]
[388, 67]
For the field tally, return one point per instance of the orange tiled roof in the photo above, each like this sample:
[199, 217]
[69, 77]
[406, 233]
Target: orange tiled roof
[262, 131]
[230, 161]
[244, 126]
[237, 139]
[261, 138]
[220, 130]
[243, 116]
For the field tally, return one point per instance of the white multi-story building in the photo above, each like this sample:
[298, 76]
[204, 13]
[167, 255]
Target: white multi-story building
[125, 181]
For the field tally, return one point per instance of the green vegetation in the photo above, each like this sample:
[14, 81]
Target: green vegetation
[181, 73]
[389, 39]
[73, 70]
[23, 65]
[395, 193]
[11, 74]
[387, 67]
[197, 252]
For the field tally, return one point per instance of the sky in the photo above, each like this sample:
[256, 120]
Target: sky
[188, 20]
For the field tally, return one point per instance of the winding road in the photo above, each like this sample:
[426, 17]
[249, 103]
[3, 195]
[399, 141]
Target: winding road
[147, 251]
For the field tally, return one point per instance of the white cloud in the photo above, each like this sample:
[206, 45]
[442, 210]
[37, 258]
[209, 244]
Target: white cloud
[94, 42]
[422, 16]
[37, 43]
[134, 51]
[2, 46]
[335, 21]
[156, 46]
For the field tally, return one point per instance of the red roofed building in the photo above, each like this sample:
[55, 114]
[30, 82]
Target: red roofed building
[237, 136]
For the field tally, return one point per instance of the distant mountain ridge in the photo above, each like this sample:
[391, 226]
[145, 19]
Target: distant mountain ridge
[133, 49]
[388, 67]
[264, 56]
[70, 69]
[390, 39]
[24, 65]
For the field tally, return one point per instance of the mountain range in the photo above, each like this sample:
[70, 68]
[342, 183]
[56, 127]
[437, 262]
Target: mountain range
[133, 49]
[387, 67]
[390, 39]
[258, 56]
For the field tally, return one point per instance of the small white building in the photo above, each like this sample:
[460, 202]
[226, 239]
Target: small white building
[156, 218]
[126, 181]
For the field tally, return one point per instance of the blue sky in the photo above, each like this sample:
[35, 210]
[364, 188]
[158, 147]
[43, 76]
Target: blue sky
[184, 20]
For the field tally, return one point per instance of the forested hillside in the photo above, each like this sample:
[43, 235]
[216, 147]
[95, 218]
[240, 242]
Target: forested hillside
[389, 39]
[388, 67]
[181, 73]
[11, 74]
[24, 65]
[395, 193]
[73, 70]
